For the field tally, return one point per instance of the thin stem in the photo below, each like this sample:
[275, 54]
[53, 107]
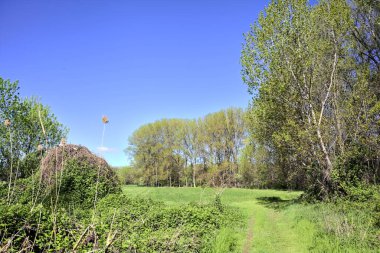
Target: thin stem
[98, 176]
[46, 146]
[104, 130]
[15, 179]
[11, 172]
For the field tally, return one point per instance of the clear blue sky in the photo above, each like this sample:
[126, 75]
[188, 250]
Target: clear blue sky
[135, 61]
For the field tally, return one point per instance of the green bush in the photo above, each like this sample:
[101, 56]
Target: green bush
[149, 226]
[36, 229]
[30, 164]
[120, 224]
[78, 184]
[21, 191]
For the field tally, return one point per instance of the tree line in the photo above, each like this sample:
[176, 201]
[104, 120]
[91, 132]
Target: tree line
[178, 152]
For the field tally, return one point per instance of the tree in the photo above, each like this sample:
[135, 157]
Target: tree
[191, 149]
[20, 139]
[300, 64]
[204, 151]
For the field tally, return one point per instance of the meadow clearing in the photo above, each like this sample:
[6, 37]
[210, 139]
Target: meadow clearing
[272, 220]
[309, 125]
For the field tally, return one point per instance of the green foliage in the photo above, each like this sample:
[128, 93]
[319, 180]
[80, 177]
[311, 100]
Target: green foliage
[76, 187]
[344, 225]
[30, 164]
[148, 226]
[27, 228]
[280, 223]
[190, 152]
[225, 242]
[137, 225]
[79, 183]
[354, 171]
[314, 110]
[128, 175]
[22, 137]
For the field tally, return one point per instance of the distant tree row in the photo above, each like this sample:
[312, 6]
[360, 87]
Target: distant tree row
[176, 152]
[313, 72]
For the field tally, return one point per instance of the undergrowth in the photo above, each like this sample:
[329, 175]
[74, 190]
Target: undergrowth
[122, 224]
[348, 223]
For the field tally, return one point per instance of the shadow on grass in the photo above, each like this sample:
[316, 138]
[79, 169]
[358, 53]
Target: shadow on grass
[276, 202]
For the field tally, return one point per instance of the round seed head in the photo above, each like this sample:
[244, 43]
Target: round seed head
[105, 119]
[7, 123]
[63, 142]
[40, 147]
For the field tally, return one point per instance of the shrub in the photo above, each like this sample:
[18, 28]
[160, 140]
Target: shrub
[79, 183]
[149, 226]
[121, 224]
[71, 176]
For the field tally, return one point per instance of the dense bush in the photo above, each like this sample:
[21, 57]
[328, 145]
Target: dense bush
[30, 164]
[79, 183]
[36, 229]
[73, 176]
[148, 226]
[120, 224]
[76, 187]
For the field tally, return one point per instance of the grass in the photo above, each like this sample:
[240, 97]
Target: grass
[272, 230]
[273, 220]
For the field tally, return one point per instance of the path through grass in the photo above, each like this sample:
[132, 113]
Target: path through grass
[271, 225]
[274, 222]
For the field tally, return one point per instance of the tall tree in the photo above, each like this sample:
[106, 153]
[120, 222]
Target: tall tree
[300, 63]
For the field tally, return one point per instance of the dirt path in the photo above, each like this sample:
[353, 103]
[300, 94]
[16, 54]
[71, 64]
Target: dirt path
[248, 241]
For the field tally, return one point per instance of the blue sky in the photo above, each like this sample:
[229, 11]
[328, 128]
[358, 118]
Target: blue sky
[135, 61]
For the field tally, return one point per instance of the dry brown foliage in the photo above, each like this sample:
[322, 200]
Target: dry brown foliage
[55, 158]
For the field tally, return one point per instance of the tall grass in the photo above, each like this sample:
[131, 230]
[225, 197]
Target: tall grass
[342, 226]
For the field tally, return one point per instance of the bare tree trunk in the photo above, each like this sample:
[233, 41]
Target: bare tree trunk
[156, 177]
[338, 124]
[193, 169]
[328, 170]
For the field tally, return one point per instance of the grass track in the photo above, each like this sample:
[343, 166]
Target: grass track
[275, 223]
[269, 214]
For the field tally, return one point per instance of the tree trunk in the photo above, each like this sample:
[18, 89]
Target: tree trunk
[156, 177]
[193, 169]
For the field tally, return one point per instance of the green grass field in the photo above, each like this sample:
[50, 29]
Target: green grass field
[267, 228]
[272, 221]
